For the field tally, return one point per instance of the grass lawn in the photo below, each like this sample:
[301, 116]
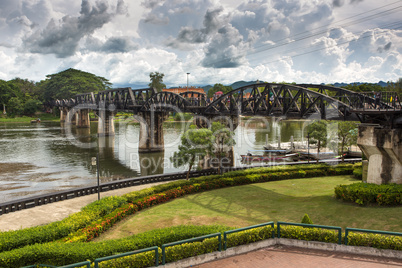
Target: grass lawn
[241, 206]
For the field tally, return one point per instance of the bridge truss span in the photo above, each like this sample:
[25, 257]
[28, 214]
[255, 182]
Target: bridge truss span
[267, 99]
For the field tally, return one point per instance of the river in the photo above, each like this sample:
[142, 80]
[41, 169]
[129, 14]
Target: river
[49, 156]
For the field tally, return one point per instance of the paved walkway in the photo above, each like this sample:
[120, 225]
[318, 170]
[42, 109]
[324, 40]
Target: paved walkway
[56, 211]
[286, 257]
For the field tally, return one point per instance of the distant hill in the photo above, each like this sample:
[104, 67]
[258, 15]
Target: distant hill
[381, 83]
[240, 84]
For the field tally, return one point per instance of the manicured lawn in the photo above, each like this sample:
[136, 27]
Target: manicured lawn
[240, 206]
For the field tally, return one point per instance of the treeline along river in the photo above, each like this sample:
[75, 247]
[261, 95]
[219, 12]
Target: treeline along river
[49, 156]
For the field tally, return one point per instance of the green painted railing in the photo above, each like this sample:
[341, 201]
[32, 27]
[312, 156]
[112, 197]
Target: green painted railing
[164, 246]
[339, 229]
[225, 237]
[347, 230]
[244, 229]
[155, 248]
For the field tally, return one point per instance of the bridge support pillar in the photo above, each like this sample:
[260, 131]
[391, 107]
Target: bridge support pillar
[63, 114]
[383, 148]
[82, 118]
[106, 122]
[151, 132]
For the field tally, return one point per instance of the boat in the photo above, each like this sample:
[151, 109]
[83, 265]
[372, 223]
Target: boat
[320, 156]
[264, 158]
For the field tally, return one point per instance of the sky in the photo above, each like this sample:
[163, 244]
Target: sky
[302, 41]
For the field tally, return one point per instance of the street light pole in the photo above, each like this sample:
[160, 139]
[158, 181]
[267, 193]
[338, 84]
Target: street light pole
[187, 80]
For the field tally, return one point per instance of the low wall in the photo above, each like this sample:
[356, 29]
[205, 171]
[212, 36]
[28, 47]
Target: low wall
[374, 252]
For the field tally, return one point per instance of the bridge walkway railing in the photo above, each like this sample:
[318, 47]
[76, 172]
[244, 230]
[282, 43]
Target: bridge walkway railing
[39, 200]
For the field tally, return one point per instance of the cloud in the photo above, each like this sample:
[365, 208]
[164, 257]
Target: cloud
[188, 35]
[338, 3]
[226, 49]
[62, 38]
[112, 45]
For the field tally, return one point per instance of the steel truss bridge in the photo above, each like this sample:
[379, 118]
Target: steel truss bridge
[263, 99]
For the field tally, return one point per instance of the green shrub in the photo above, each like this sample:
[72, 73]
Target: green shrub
[68, 253]
[368, 193]
[375, 241]
[249, 236]
[309, 234]
[187, 250]
[146, 259]
[183, 116]
[56, 230]
[306, 219]
[358, 171]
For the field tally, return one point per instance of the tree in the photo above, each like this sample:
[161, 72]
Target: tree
[344, 135]
[66, 84]
[395, 86]
[317, 132]
[31, 106]
[10, 97]
[222, 141]
[157, 81]
[195, 144]
[218, 87]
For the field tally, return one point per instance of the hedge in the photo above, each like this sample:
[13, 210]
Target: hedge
[56, 230]
[369, 193]
[89, 223]
[67, 253]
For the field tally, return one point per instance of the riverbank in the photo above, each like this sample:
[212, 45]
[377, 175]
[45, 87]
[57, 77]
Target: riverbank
[28, 119]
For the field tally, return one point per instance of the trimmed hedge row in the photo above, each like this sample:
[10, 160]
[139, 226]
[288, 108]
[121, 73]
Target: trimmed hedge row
[62, 254]
[369, 193]
[183, 251]
[358, 171]
[198, 185]
[56, 230]
[89, 223]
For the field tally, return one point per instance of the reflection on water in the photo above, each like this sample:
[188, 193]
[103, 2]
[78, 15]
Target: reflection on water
[46, 157]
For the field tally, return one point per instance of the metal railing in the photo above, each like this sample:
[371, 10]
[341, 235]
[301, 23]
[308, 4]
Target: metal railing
[39, 200]
[271, 223]
[347, 230]
[339, 229]
[155, 248]
[164, 246]
[225, 238]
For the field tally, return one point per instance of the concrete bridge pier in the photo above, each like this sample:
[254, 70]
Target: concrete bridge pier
[106, 123]
[82, 118]
[151, 131]
[63, 114]
[383, 148]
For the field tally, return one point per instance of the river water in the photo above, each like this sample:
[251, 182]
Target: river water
[49, 156]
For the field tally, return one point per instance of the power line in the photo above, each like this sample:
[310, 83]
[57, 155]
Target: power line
[318, 49]
[357, 21]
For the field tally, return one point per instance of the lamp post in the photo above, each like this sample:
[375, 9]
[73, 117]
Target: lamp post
[187, 80]
[308, 147]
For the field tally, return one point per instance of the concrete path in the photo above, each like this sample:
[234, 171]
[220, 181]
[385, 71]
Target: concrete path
[286, 257]
[56, 211]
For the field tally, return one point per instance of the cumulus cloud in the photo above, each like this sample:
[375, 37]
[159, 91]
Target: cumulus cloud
[112, 45]
[188, 35]
[62, 38]
[227, 49]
